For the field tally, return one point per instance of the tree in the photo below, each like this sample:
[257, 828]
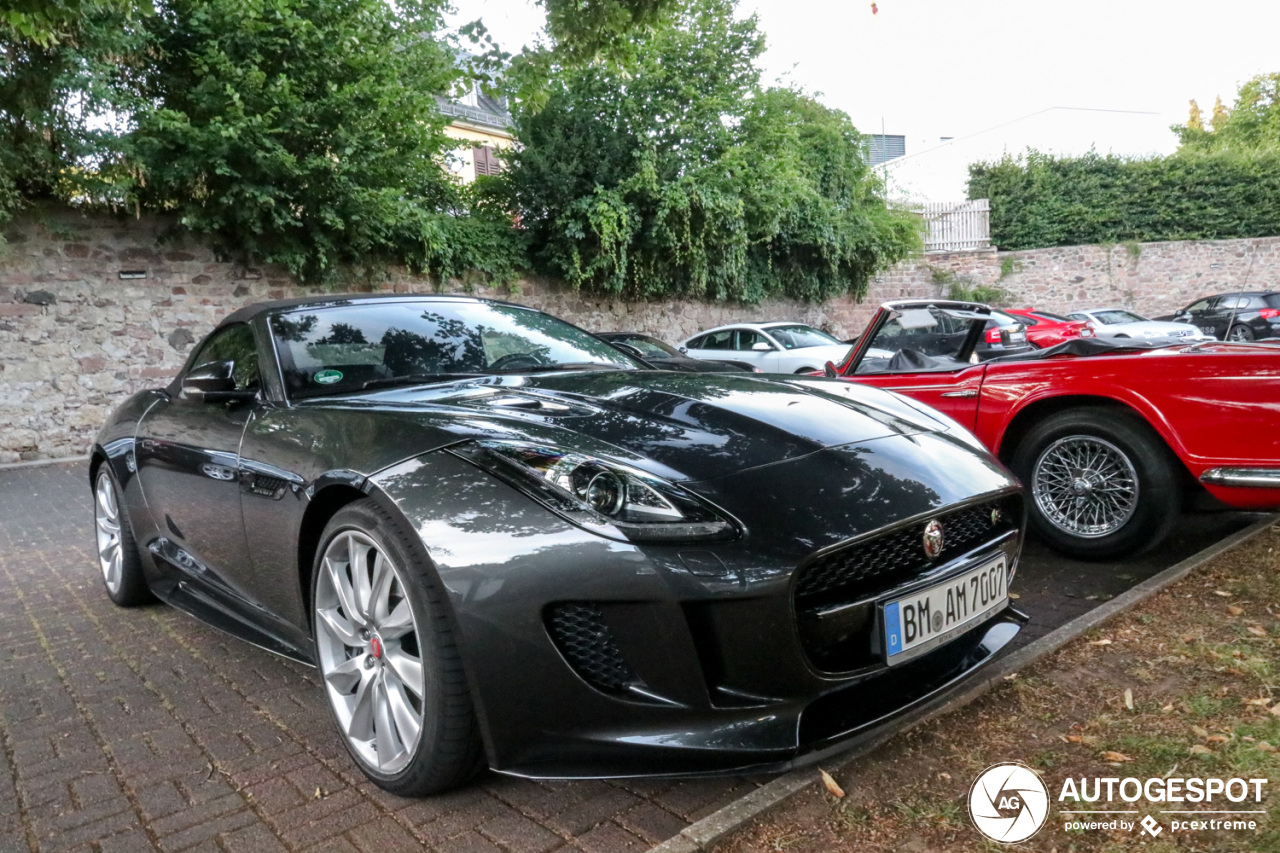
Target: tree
[1252, 123]
[679, 174]
[302, 133]
[67, 68]
[46, 23]
[1194, 119]
[1218, 120]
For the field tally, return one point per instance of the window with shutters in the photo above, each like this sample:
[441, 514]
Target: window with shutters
[486, 160]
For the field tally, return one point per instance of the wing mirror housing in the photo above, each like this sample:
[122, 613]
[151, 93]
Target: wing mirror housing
[829, 370]
[761, 346]
[215, 383]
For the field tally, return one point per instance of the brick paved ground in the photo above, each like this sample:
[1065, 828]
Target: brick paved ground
[136, 730]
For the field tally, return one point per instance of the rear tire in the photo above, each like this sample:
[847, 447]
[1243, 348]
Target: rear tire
[388, 661]
[1240, 332]
[118, 558]
[1100, 482]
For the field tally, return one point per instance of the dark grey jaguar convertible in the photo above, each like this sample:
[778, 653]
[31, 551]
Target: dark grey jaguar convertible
[503, 542]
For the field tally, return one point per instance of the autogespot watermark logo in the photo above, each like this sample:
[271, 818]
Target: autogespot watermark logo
[1009, 802]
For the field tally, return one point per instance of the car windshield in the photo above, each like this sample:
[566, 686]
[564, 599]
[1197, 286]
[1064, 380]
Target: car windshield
[338, 349]
[1113, 318]
[799, 336]
[649, 347]
[915, 339]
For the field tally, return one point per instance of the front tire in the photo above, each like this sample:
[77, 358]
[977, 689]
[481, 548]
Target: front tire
[388, 662]
[118, 558]
[1101, 483]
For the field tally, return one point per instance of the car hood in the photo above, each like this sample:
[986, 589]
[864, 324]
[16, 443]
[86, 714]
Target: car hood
[682, 426]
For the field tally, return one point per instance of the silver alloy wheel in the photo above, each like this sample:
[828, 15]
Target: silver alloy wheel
[370, 655]
[106, 517]
[1239, 333]
[1085, 485]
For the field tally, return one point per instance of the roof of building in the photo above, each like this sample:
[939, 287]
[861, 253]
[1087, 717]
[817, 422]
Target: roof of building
[488, 111]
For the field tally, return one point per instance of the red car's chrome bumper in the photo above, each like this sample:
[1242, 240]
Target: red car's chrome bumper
[1245, 478]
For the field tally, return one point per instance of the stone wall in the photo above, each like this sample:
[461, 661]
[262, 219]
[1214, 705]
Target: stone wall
[78, 333]
[1149, 278]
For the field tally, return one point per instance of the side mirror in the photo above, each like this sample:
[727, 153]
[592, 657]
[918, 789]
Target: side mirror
[684, 349]
[215, 383]
[761, 346]
[829, 370]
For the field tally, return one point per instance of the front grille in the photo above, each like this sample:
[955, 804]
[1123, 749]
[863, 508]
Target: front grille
[839, 638]
[584, 638]
[852, 572]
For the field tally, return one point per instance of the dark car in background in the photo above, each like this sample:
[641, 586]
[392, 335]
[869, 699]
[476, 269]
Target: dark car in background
[668, 357]
[1245, 316]
[503, 541]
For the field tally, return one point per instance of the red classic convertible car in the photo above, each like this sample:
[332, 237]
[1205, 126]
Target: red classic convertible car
[1108, 439]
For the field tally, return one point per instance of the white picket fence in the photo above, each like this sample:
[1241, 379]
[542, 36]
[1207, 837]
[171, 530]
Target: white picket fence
[957, 226]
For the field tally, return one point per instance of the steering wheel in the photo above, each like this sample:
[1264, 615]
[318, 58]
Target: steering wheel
[516, 359]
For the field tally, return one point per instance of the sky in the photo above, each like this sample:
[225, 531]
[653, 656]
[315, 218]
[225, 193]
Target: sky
[935, 68]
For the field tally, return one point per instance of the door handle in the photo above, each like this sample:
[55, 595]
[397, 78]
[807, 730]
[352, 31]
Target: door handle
[968, 392]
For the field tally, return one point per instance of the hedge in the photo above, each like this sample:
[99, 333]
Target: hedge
[1041, 200]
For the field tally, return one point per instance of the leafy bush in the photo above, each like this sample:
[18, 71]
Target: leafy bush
[68, 71]
[305, 134]
[1043, 200]
[681, 175]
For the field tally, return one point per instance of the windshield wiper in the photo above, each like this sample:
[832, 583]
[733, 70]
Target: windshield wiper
[572, 365]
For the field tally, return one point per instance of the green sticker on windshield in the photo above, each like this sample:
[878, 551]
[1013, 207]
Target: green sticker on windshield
[327, 377]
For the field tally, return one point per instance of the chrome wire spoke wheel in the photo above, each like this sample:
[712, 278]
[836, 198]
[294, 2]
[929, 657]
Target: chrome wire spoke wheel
[369, 652]
[106, 517]
[1085, 485]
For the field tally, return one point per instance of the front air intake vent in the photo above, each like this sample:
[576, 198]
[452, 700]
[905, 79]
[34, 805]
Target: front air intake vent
[583, 637]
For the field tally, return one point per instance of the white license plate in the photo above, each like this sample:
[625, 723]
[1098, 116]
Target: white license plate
[941, 610]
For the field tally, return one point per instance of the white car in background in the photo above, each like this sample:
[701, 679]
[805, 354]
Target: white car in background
[773, 347]
[1120, 324]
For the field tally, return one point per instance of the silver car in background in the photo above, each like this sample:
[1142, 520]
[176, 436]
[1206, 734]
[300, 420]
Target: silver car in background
[1121, 324]
[773, 347]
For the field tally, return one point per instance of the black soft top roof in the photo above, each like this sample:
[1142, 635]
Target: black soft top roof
[1081, 347]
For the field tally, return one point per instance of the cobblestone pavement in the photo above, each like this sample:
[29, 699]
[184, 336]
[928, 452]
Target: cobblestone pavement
[142, 729]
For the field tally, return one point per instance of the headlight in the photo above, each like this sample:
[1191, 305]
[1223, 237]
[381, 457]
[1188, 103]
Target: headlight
[605, 497]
